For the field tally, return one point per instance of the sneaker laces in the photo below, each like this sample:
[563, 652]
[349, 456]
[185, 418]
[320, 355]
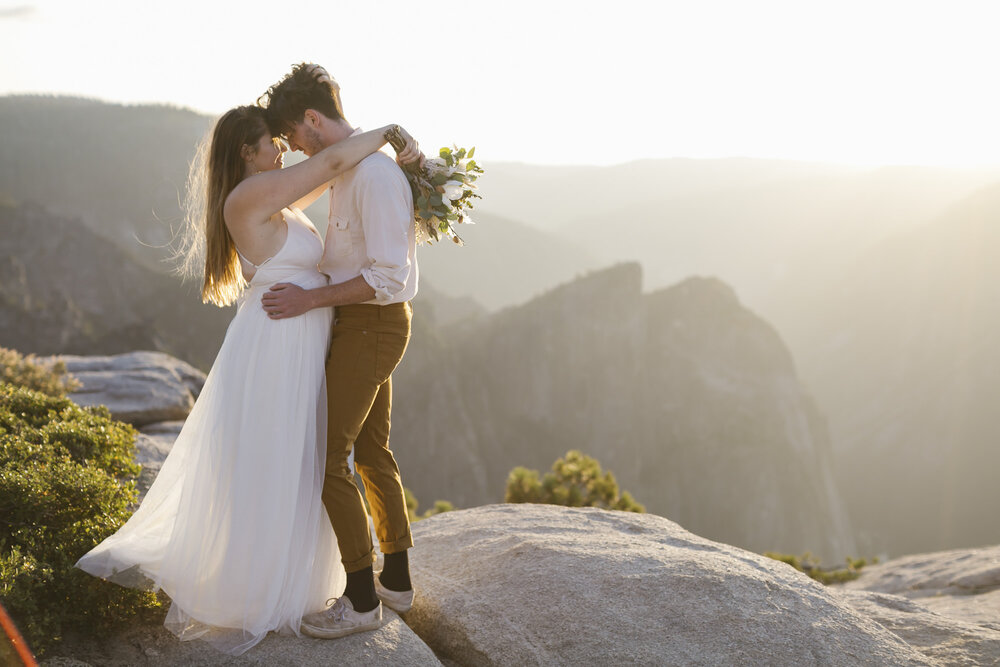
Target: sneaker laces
[336, 612]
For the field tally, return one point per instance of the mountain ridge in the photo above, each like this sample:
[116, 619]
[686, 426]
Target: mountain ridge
[656, 387]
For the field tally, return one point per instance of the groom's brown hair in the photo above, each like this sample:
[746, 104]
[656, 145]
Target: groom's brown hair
[285, 102]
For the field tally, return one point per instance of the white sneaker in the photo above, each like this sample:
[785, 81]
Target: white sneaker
[398, 601]
[340, 620]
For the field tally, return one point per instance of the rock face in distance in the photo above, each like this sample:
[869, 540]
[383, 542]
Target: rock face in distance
[901, 352]
[69, 291]
[688, 397]
[138, 387]
[541, 584]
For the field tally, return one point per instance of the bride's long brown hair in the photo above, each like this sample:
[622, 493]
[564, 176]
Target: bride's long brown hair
[216, 170]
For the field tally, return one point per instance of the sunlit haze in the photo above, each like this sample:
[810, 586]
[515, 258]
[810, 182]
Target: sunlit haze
[872, 82]
[741, 253]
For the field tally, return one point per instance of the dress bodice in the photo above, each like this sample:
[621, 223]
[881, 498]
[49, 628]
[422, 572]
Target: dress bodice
[296, 260]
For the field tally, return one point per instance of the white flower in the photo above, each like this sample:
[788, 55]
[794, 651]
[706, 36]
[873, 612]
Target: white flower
[453, 191]
[436, 166]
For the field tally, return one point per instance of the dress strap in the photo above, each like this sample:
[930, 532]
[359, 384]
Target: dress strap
[244, 258]
[257, 266]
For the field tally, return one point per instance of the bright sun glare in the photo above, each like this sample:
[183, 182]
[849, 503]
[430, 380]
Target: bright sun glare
[873, 82]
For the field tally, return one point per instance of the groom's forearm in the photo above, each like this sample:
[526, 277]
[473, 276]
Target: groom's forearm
[355, 290]
[285, 300]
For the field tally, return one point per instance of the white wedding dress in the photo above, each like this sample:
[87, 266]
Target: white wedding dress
[233, 529]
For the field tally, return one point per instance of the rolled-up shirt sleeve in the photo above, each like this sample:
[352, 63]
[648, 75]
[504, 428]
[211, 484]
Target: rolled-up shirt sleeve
[386, 208]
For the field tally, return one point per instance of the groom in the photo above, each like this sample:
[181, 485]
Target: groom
[370, 258]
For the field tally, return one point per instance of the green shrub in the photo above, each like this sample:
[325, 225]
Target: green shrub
[809, 564]
[51, 379]
[66, 483]
[412, 504]
[575, 481]
[440, 506]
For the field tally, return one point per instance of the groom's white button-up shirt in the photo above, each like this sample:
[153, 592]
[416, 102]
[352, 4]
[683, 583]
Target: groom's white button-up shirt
[371, 230]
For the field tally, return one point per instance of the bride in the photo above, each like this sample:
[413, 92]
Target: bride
[234, 529]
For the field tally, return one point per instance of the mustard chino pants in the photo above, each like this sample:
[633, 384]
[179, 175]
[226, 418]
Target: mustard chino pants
[366, 343]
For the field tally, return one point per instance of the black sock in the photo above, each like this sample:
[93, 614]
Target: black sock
[396, 573]
[361, 589]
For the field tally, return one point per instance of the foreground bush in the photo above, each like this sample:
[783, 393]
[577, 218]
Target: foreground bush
[809, 565]
[51, 379]
[66, 483]
[575, 481]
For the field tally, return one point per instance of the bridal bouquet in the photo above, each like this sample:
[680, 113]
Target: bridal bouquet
[443, 190]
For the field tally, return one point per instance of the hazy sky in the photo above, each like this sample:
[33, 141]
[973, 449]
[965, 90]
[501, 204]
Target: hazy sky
[873, 81]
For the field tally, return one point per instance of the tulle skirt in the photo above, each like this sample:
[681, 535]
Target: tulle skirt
[233, 529]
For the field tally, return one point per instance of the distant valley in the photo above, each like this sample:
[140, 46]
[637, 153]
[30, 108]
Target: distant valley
[873, 292]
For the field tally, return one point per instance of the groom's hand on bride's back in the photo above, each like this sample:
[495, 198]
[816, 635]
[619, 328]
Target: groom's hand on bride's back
[286, 300]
